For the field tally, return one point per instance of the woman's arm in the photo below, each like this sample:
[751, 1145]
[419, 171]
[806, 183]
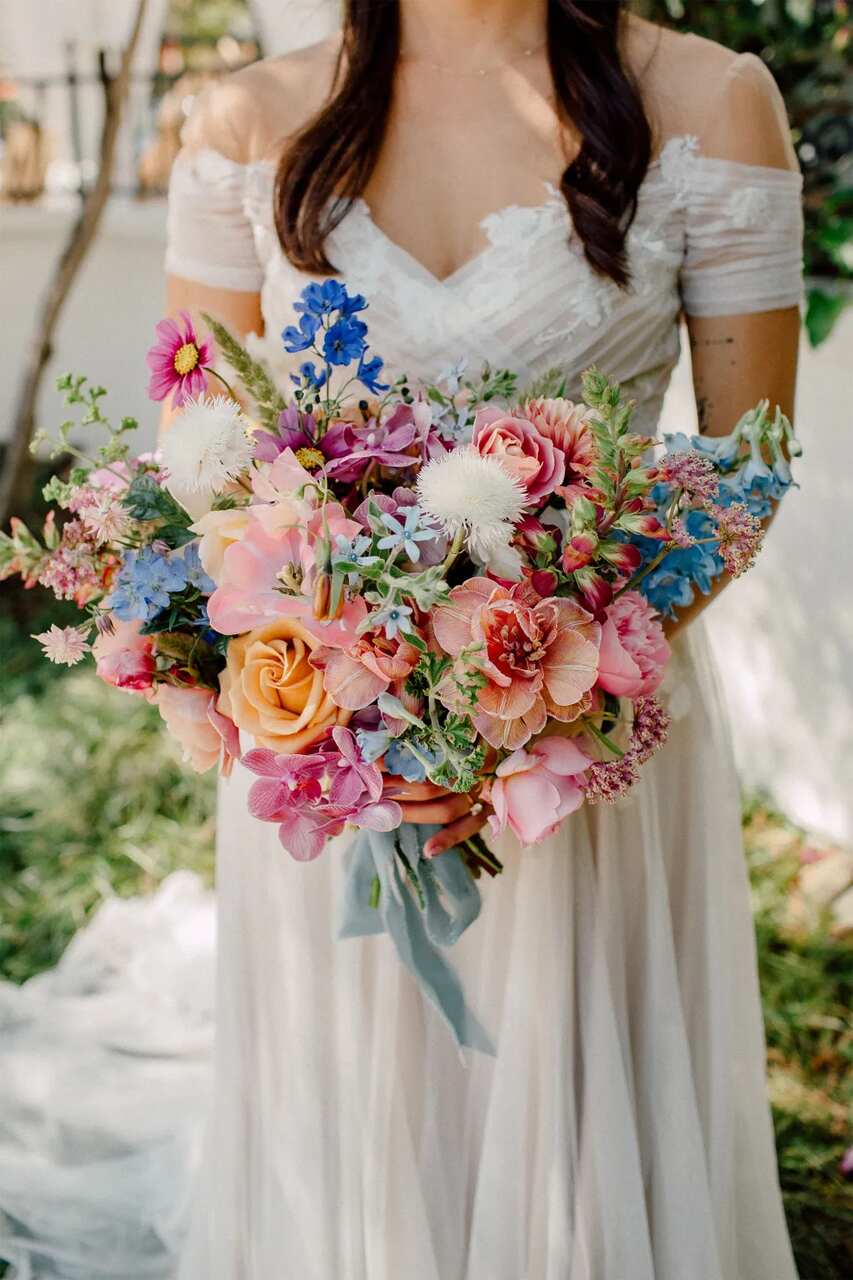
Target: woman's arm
[737, 361]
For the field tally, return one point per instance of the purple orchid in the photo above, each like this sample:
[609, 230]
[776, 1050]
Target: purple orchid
[313, 797]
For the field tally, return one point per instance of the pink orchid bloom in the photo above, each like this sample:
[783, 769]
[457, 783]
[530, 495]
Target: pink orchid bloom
[536, 789]
[313, 797]
[539, 656]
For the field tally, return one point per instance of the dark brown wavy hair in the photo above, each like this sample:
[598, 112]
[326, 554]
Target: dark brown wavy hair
[336, 152]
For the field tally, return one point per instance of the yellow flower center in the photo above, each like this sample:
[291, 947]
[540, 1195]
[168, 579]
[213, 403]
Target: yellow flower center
[310, 459]
[186, 358]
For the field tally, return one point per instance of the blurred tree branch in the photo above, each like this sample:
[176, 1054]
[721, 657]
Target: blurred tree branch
[17, 466]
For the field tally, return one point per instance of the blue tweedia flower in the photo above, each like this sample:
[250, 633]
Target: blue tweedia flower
[144, 584]
[344, 341]
[405, 534]
[195, 574]
[320, 300]
[369, 371]
[355, 552]
[401, 760]
[394, 618]
[309, 376]
[301, 338]
[372, 743]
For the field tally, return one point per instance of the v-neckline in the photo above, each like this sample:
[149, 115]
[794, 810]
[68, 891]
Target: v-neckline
[552, 200]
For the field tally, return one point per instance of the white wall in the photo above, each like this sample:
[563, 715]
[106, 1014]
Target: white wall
[783, 635]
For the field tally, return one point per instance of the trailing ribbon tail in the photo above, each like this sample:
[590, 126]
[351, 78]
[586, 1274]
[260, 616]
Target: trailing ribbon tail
[451, 902]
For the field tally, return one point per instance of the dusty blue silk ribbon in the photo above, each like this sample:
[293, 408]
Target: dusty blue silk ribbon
[451, 903]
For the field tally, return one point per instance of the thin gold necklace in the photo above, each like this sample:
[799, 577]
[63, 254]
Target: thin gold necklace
[479, 71]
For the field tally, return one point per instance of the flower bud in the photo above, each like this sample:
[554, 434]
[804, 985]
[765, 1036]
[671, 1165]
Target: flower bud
[322, 589]
[544, 581]
[579, 551]
[596, 593]
[622, 555]
[645, 524]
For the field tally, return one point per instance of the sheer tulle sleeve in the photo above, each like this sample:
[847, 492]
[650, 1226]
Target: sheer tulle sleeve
[210, 236]
[743, 248]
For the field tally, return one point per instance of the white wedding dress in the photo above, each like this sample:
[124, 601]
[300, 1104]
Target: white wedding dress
[622, 1131]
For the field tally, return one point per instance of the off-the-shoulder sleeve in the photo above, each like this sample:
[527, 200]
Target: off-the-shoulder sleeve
[210, 237]
[744, 231]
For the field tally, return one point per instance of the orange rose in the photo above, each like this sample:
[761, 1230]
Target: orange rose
[270, 690]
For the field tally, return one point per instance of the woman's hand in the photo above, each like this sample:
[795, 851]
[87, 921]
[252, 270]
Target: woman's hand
[460, 816]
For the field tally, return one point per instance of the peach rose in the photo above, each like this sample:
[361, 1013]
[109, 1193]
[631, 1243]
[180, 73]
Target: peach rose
[186, 711]
[270, 690]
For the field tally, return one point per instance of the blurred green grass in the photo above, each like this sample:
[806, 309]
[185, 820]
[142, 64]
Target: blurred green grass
[94, 801]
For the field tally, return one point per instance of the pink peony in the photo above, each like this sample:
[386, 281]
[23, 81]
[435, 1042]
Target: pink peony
[634, 649]
[531, 458]
[186, 711]
[539, 656]
[355, 677]
[125, 658]
[536, 789]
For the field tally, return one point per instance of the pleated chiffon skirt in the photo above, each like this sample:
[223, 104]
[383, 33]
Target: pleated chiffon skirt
[622, 1131]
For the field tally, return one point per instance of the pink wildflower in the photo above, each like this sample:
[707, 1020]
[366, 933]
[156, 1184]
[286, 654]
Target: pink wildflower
[177, 361]
[609, 780]
[73, 571]
[650, 728]
[739, 534]
[692, 472]
[64, 645]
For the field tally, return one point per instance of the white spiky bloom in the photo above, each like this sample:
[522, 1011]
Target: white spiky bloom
[206, 445]
[469, 494]
[64, 645]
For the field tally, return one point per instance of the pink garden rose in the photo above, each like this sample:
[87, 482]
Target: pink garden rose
[634, 649]
[539, 656]
[125, 658]
[567, 426]
[355, 677]
[187, 713]
[531, 458]
[536, 789]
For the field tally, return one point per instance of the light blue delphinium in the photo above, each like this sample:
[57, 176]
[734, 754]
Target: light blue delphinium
[194, 571]
[144, 584]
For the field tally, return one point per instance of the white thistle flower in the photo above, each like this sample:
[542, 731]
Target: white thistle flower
[466, 493]
[206, 445]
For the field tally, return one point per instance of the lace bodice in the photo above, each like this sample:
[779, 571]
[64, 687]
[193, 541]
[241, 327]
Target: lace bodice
[712, 236]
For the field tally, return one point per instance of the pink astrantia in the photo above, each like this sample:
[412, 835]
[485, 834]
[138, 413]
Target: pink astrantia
[177, 361]
[692, 472]
[64, 645]
[313, 797]
[536, 789]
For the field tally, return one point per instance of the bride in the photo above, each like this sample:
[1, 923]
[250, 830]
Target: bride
[534, 183]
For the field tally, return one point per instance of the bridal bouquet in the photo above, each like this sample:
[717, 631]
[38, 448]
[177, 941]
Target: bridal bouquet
[454, 582]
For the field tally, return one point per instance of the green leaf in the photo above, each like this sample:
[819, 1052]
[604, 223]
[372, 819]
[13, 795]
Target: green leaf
[822, 311]
[147, 500]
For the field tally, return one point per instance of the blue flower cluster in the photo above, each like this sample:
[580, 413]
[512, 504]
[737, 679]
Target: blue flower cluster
[753, 482]
[329, 326]
[148, 579]
[399, 758]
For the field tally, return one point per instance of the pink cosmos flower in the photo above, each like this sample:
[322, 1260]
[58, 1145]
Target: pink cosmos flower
[539, 657]
[268, 574]
[531, 458]
[124, 658]
[536, 789]
[313, 797]
[176, 361]
[634, 649]
[64, 645]
[355, 677]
